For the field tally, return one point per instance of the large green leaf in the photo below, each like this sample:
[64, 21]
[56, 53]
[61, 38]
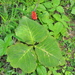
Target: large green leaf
[30, 31]
[22, 56]
[48, 52]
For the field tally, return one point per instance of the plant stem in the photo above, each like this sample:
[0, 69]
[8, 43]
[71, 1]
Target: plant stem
[37, 3]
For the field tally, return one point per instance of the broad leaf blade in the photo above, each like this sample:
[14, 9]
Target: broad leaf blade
[48, 52]
[21, 56]
[30, 31]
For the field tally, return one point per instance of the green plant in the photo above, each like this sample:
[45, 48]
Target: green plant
[17, 37]
[5, 43]
[36, 46]
[52, 18]
[72, 6]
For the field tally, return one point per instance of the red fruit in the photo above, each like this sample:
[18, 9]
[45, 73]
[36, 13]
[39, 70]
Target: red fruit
[34, 15]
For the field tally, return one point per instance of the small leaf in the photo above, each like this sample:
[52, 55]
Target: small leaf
[8, 40]
[64, 31]
[45, 16]
[58, 28]
[34, 73]
[48, 4]
[41, 7]
[57, 17]
[65, 18]
[52, 10]
[73, 10]
[72, 2]
[41, 70]
[65, 24]
[55, 2]
[60, 9]
[50, 24]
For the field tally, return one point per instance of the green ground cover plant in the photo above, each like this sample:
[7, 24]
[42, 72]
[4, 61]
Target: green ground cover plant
[41, 46]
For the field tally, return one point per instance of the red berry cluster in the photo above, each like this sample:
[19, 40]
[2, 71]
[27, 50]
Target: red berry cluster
[34, 15]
